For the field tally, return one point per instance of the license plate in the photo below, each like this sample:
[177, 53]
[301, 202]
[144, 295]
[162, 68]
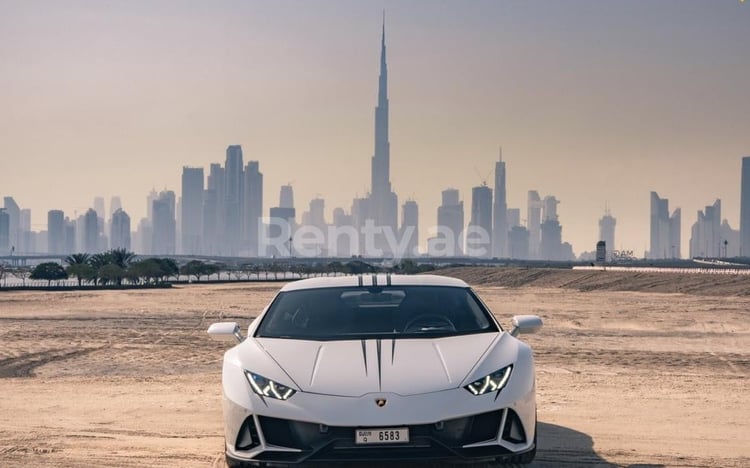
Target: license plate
[391, 435]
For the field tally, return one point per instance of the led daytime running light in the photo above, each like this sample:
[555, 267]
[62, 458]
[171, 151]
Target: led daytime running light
[268, 388]
[491, 383]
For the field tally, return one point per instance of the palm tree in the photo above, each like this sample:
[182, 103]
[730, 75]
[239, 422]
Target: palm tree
[121, 257]
[78, 259]
[79, 266]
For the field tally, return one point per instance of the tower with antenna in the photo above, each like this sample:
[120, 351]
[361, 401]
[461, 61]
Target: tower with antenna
[607, 231]
[500, 211]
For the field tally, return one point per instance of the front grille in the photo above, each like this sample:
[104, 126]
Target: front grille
[484, 427]
[278, 432]
[443, 440]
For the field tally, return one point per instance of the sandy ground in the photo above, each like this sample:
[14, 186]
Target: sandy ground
[129, 378]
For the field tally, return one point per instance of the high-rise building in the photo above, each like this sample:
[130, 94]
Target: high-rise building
[551, 244]
[91, 232]
[500, 212]
[214, 211]
[518, 243]
[705, 235]
[253, 207]
[745, 209]
[99, 207]
[675, 233]
[730, 240]
[514, 218]
[479, 237]
[120, 227]
[360, 215]
[209, 241]
[192, 210]
[315, 218]
[164, 235]
[281, 232]
[56, 232]
[549, 208]
[410, 229]
[534, 223]
[14, 223]
[234, 199]
[286, 197]
[346, 236]
[607, 233]
[70, 236]
[665, 229]
[383, 206]
[317, 213]
[4, 232]
[450, 220]
[115, 204]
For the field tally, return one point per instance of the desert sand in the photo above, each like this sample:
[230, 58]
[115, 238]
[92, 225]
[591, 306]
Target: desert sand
[130, 378]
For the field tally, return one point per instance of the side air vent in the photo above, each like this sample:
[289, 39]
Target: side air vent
[248, 436]
[513, 430]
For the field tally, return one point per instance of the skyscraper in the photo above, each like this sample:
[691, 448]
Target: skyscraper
[91, 232]
[500, 212]
[286, 197]
[14, 223]
[383, 204]
[607, 232]
[282, 224]
[705, 235]
[56, 232]
[550, 246]
[410, 228]
[665, 229]
[164, 224]
[534, 222]
[214, 211]
[120, 235]
[235, 197]
[745, 208]
[450, 220]
[4, 232]
[253, 206]
[479, 239]
[192, 210]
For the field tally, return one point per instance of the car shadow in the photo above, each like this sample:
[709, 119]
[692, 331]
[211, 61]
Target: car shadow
[562, 446]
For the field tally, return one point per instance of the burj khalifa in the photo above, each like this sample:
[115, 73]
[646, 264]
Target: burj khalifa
[383, 202]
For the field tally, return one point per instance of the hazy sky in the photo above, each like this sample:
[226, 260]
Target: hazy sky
[592, 101]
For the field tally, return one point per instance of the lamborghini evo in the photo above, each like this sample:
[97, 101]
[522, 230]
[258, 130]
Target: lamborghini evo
[378, 368]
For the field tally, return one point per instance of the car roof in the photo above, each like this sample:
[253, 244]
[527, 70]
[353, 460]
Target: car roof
[374, 280]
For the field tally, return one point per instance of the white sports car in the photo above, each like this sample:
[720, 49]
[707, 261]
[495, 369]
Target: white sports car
[378, 368]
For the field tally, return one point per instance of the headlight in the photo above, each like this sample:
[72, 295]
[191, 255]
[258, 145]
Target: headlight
[268, 388]
[491, 383]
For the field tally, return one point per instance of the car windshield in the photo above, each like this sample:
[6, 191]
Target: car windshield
[376, 312]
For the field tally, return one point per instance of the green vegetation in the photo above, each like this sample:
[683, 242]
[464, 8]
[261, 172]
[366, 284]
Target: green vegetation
[117, 266]
[49, 271]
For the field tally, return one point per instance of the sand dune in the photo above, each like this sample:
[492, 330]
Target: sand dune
[705, 283]
[129, 378]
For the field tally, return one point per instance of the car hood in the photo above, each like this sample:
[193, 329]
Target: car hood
[357, 367]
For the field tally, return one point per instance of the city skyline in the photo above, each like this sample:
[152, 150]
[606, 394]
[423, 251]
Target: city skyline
[586, 146]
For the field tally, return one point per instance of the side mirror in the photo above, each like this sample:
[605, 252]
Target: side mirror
[525, 324]
[225, 331]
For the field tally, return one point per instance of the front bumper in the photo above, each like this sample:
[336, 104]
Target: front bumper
[498, 434]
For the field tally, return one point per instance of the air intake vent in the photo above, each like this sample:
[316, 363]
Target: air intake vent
[248, 436]
[513, 430]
